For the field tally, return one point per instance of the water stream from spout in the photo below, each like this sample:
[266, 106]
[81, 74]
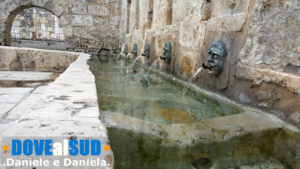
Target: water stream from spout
[189, 82]
[128, 55]
[135, 60]
[152, 66]
[119, 55]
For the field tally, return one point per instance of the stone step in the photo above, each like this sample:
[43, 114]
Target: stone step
[24, 78]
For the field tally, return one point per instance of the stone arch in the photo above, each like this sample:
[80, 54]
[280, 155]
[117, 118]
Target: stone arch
[84, 22]
[12, 13]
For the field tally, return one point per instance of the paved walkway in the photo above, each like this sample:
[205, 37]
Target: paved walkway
[67, 107]
[10, 97]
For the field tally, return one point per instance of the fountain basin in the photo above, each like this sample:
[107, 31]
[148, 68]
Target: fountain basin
[156, 98]
[227, 142]
[151, 125]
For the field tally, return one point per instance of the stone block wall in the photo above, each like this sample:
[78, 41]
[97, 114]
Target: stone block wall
[36, 23]
[261, 37]
[88, 25]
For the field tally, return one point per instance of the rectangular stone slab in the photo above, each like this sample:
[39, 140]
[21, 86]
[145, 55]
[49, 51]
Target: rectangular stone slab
[25, 76]
[10, 97]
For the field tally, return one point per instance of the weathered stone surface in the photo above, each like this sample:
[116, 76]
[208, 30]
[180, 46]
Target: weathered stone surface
[115, 21]
[5, 107]
[98, 10]
[67, 107]
[262, 34]
[191, 40]
[162, 16]
[179, 11]
[68, 31]
[228, 141]
[225, 23]
[25, 76]
[270, 56]
[13, 95]
[71, 14]
[259, 75]
[273, 36]
[10, 97]
[79, 8]
[225, 7]
[82, 21]
[34, 59]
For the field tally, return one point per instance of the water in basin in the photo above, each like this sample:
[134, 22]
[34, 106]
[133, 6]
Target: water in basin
[154, 143]
[154, 98]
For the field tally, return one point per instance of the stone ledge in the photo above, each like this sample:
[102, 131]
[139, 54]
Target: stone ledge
[29, 59]
[259, 75]
[212, 130]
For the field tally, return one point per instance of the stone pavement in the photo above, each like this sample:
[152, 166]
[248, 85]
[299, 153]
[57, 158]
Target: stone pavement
[10, 97]
[66, 108]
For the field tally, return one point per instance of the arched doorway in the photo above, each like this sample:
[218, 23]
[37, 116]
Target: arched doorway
[35, 27]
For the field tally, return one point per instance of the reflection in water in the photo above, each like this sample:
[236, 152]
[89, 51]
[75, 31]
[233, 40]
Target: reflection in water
[152, 98]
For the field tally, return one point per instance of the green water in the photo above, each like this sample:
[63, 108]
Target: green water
[126, 90]
[158, 98]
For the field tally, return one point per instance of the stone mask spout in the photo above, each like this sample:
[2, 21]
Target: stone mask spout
[134, 50]
[216, 58]
[167, 55]
[146, 52]
[125, 51]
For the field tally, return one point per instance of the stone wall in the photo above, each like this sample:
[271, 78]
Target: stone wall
[88, 25]
[261, 38]
[28, 59]
[36, 23]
